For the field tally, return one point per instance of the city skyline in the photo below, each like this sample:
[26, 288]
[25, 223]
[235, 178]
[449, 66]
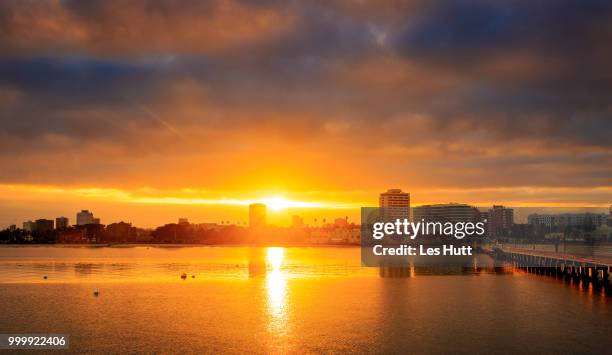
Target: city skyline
[290, 214]
[497, 222]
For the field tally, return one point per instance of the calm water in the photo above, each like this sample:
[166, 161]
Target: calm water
[286, 300]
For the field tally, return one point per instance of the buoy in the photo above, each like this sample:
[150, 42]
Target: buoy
[183, 276]
[193, 276]
[96, 292]
[45, 277]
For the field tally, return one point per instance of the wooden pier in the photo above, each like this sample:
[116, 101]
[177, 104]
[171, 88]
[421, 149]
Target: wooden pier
[571, 267]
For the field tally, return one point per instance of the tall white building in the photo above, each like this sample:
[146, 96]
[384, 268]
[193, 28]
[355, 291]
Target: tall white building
[395, 204]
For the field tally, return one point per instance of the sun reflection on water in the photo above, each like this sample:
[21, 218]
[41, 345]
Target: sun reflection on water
[276, 287]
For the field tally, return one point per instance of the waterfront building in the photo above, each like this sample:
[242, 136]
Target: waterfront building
[85, 217]
[120, 232]
[500, 220]
[448, 212]
[29, 226]
[334, 234]
[576, 220]
[61, 223]
[44, 225]
[395, 204]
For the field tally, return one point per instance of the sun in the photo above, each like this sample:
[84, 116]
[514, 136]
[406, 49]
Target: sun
[277, 203]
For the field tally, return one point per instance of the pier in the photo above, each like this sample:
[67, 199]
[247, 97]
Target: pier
[595, 271]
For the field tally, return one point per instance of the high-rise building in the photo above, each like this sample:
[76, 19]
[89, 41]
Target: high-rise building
[85, 217]
[500, 220]
[61, 223]
[448, 212]
[44, 225]
[29, 226]
[395, 204]
[257, 215]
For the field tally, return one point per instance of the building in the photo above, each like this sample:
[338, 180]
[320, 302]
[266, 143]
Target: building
[209, 227]
[572, 220]
[85, 217]
[119, 232]
[183, 221]
[44, 225]
[257, 215]
[70, 235]
[93, 232]
[500, 221]
[449, 212]
[395, 204]
[536, 219]
[29, 226]
[334, 234]
[61, 223]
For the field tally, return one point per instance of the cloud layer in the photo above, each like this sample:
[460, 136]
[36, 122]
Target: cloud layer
[304, 96]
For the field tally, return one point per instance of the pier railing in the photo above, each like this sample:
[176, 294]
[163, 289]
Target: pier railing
[588, 269]
[569, 257]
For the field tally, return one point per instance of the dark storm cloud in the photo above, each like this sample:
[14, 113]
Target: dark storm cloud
[562, 92]
[455, 30]
[493, 74]
[76, 97]
[74, 77]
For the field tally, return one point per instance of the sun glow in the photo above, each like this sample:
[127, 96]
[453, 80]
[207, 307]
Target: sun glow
[161, 196]
[280, 203]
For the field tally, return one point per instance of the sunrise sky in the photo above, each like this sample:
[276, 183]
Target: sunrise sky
[149, 111]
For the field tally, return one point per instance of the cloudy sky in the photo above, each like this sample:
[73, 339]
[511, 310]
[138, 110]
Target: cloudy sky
[148, 110]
